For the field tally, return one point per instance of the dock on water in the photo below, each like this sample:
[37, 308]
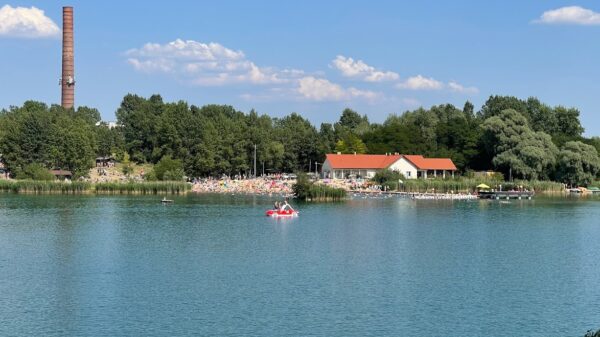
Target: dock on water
[507, 195]
[414, 195]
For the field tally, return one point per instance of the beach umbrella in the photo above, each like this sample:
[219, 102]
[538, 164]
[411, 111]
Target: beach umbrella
[483, 186]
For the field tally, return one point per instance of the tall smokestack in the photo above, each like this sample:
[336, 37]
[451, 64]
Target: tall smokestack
[68, 63]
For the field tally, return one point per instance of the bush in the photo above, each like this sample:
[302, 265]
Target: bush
[383, 176]
[166, 164]
[35, 172]
[127, 169]
[150, 176]
[174, 175]
[388, 179]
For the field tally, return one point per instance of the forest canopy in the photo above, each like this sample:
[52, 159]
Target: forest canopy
[520, 138]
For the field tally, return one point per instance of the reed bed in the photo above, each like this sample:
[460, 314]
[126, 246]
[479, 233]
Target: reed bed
[469, 185]
[78, 187]
[309, 191]
[39, 186]
[156, 187]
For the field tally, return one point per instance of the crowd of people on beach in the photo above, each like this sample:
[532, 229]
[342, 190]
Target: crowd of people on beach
[260, 186]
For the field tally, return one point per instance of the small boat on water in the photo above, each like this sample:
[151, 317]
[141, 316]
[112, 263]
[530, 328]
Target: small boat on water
[166, 201]
[274, 213]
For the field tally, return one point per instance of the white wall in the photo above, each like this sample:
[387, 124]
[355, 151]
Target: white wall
[405, 167]
[402, 165]
[325, 168]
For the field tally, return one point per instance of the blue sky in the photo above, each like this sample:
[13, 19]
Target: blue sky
[311, 57]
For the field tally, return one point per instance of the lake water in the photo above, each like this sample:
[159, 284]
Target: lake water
[214, 265]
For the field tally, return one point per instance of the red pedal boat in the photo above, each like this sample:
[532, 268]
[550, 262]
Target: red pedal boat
[281, 213]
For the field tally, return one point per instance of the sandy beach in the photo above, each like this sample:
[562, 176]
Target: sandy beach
[259, 186]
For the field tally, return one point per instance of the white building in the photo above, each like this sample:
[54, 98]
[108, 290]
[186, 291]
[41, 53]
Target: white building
[109, 124]
[342, 166]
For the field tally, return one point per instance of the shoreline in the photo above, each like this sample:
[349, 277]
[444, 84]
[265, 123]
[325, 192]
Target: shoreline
[250, 187]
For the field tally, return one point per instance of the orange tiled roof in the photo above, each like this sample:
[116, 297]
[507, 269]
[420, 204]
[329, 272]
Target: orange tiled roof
[423, 163]
[382, 161]
[361, 161]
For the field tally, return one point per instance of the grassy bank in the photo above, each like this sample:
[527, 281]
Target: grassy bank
[59, 187]
[468, 185]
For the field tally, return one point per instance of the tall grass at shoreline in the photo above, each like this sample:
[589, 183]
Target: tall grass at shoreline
[156, 187]
[469, 185]
[40, 186]
[319, 192]
[309, 191]
[78, 187]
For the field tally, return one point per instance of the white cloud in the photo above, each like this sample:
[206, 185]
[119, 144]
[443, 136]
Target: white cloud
[462, 89]
[359, 69]
[319, 89]
[26, 22]
[207, 64]
[421, 83]
[212, 64]
[570, 15]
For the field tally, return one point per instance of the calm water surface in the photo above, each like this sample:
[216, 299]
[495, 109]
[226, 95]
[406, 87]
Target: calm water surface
[214, 265]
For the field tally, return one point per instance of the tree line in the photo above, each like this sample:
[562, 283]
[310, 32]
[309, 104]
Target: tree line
[524, 139]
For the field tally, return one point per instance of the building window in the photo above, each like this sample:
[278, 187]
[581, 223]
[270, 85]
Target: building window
[407, 174]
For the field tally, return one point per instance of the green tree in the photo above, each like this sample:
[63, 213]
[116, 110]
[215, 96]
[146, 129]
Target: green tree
[300, 140]
[34, 171]
[568, 124]
[351, 120]
[327, 139]
[469, 109]
[496, 104]
[168, 168]
[578, 164]
[350, 143]
[50, 136]
[516, 149]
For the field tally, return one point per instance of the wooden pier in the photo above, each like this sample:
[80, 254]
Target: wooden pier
[506, 195]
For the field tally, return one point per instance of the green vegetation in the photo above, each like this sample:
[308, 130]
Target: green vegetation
[35, 171]
[518, 149]
[468, 185]
[522, 139]
[168, 169]
[157, 187]
[306, 190]
[578, 164]
[59, 187]
[30, 186]
[388, 179]
[50, 136]
[126, 167]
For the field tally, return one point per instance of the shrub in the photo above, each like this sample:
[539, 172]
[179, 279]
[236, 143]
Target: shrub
[127, 169]
[35, 172]
[166, 164]
[150, 176]
[174, 175]
[388, 179]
